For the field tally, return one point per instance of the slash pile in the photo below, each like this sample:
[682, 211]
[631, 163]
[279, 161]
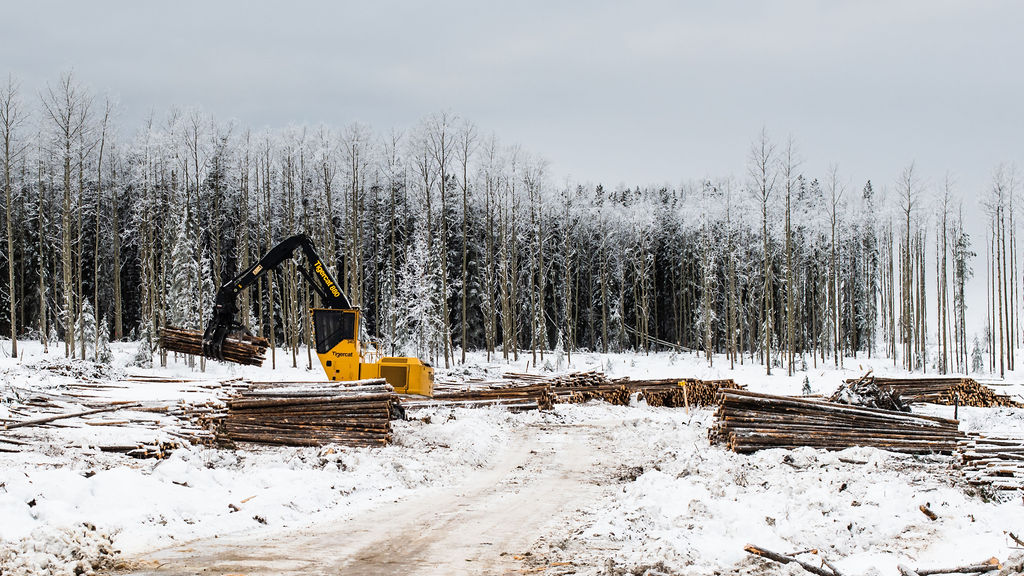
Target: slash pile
[865, 392]
[748, 421]
[238, 348]
[994, 462]
[354, 414]
[944, 391]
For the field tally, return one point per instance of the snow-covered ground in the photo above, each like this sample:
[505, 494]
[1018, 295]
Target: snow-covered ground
[658, 495]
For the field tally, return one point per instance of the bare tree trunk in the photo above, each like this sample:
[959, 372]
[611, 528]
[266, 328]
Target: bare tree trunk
[836, 192]
[269, 244]
[788, 167]
[10, 121]
[66, 107]
[762, 158]
[96, 246]
[467, 143]
[440, 150]
[40, 212]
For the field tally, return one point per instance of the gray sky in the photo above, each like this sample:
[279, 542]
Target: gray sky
[635, 92]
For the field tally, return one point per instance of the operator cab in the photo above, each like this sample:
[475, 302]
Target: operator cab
[337, 345]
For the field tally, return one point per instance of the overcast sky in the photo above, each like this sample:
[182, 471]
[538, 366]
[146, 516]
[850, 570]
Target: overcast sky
[633, 92]
[625, 92]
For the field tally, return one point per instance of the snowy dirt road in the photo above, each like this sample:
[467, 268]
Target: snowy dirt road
[484, 524]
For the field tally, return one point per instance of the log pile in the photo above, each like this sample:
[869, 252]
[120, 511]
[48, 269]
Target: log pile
[238, 348]
[702, 392]
[944, 390]
[580, 387]
[748, 422]
[199, 421]
[516, 398]
[520, 391]
[992, 461]
[353, 415]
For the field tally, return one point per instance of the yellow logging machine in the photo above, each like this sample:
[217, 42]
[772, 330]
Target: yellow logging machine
[335, 326]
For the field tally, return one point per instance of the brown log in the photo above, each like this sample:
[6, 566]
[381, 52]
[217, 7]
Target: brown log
[783, 559]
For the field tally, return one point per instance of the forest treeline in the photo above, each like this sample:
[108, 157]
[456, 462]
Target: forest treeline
[449, 239]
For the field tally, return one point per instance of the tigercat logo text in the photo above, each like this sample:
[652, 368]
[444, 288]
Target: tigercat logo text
[342, 354]
[323, 274]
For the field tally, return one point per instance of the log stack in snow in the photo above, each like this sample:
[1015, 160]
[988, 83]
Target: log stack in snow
[996, 462]
[241, 349]
[580, 387]
[518, 391]
[748, 421]
[353, 414]
[947, 391]
[584, 386]
[515, 398]
[692, 393]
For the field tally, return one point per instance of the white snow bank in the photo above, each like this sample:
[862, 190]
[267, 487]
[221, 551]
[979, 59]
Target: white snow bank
[695, 505]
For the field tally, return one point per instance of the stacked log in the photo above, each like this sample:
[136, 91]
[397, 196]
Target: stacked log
[748, 421]
[687, 392]
[581, 387]
[238, 348]
[199, 421]
[944, 390]
[521, 391]
[996, 462]
[313, 415]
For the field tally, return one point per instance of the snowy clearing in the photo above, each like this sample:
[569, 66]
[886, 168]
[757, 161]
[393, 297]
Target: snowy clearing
[584, 489]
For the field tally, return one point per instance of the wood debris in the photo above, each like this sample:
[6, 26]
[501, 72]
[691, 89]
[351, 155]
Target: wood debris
[828, 569]
[996, 462]
[55, 417]
[158, 450]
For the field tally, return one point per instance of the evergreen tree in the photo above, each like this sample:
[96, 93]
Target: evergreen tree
[104, 355]
[85, 326]
[977, 357]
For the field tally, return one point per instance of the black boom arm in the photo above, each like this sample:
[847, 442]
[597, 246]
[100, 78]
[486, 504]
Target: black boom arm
[224, 307]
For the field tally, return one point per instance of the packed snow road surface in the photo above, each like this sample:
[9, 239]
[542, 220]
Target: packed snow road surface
[486, 523]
